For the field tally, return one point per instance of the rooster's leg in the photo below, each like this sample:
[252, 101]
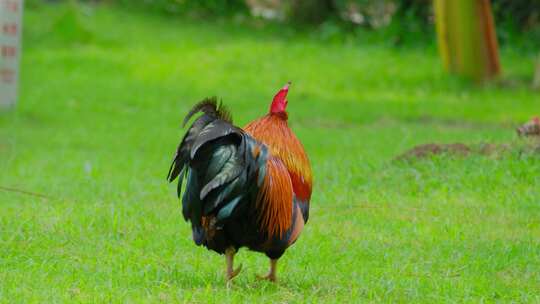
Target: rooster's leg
[229, 256]
[271, 276]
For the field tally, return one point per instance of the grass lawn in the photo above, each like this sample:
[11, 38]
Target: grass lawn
[99, 118]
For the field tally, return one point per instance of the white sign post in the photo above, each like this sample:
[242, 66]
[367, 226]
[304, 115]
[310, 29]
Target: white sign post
[10, 50]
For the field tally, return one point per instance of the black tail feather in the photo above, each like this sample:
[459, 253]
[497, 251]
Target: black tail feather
[209, 106]
[223, 165]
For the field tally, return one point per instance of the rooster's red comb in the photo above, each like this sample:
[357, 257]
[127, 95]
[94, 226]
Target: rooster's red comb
[279, 103]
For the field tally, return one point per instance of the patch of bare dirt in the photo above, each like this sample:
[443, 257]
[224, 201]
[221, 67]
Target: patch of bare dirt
[428, 150]
[529, 143]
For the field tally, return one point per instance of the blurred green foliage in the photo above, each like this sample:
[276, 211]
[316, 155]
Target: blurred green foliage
[213, 7]
[309, 11]
[521, 15]
[397, 21]
[518, 19]
[411, 20]
[202, 7]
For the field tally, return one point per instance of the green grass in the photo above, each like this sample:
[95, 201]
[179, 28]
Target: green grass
[98, 121]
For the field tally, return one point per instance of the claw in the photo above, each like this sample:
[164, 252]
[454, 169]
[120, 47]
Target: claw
[232, 274]
[269, 277]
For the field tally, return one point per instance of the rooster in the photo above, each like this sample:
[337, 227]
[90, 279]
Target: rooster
[246, 187]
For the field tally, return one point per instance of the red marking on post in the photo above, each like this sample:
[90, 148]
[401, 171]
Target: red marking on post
[7, 75]
[11, 6]
[10, 29]
[8, 51]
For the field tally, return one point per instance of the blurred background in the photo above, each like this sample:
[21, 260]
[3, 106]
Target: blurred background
[86, 213]
[395, 21]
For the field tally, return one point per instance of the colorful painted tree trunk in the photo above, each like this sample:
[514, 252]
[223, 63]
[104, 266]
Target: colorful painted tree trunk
[466, 38]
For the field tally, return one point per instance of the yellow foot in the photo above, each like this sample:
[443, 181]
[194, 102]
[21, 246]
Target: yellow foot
[269, 277]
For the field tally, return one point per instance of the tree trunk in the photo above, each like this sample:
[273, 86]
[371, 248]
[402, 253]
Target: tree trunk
[466, 38]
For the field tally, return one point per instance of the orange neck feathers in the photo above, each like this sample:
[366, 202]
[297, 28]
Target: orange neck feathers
[274, 131]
